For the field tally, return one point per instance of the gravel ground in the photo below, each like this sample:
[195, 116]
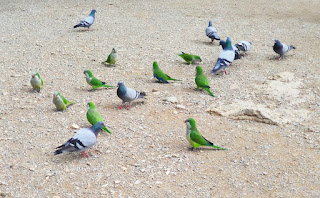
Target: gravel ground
[147, 154]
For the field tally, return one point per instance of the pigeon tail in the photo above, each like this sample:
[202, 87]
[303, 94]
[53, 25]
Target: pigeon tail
[78, 25]
[292, 47]
[142, 94]
[59, 151]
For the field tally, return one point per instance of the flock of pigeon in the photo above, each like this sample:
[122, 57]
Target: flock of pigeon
[85, 138]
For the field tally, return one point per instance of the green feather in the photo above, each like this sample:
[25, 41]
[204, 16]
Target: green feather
[93, 81]
[202, 80]
[190, 58]
[93, 116]
[160, 75]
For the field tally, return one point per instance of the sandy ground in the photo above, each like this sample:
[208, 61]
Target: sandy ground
[147, 154]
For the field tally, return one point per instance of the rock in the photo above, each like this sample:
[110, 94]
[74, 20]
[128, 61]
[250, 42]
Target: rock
[179, 106]
[154, 90]
[117, 182]
[171, 99]
[75, 126]
[137, 182]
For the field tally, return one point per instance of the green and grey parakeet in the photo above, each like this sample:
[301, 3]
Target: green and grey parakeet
[36, 81]
[94, 116]
[112, 58]
[195, 138]
[202, 80]
[93, 81]
[160, 75]
[190, 58]
[60, 102]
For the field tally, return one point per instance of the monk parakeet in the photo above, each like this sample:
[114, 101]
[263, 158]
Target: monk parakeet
[160, 75]
[112, 58]
[84, 139]
[195, 138]
[60, 102]
[190, 58]
[94, 116]
[36, 81]
[93, 81]
[202, 80]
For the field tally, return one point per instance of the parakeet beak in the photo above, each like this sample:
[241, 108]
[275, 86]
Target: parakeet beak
[185, 121]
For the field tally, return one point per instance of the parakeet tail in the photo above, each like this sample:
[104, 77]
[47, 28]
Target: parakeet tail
[105, 128]
[208, 90]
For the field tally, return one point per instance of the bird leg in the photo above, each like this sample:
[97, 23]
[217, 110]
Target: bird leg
[120, 107]
[84, 154]
[225, 71]
[129, 106]
[279, 58]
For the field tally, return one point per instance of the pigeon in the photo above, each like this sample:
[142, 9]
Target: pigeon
[160, 75]
[36, 81]
[93, 81]
[225, 58]
[88, 21]
[234, 48]
[112, 58]
[195, 138]
[190, 58]
[281, 48]
[94, 116]
[127, 94]
[60, 102]
[202, 80]
[243, 46]
[84, 139]
[211, 32]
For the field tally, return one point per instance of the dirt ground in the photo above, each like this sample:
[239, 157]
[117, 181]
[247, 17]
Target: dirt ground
[147, 154]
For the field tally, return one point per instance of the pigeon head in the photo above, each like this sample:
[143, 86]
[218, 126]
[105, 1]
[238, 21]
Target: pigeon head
[228, 44]
[210, 23]
[276, 41]
[223, 44]
[93, 12]
[97, 127]
[155, 65]
[120, 83]
[91, 105]
[199, 70]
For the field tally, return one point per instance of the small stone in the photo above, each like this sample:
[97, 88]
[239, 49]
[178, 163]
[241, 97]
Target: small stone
[5, 93]
[124, 168]
[179, 106]
[117, 182]
[75, 126]
[154, 90]
[137, 182]
[265, 173]
[171, 99]
[158, 182]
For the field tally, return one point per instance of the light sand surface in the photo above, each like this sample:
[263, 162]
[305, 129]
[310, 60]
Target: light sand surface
[147, 155]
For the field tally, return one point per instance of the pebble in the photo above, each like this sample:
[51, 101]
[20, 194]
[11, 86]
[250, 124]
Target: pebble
[137, 182]
[75, 126]
[171, 99]
[117, 182]
[179, 106]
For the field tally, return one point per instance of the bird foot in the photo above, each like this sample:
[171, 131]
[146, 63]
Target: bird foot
[129, 106]
[121, 107]
[279, 58]
[84, 154]
[225, 71]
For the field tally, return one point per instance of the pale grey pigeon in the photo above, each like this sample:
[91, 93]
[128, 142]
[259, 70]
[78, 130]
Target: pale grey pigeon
[84, 139]
[211, 32]
[225, 58]
[127, 94]
[88, 21]
[281, 48]
[243, 46]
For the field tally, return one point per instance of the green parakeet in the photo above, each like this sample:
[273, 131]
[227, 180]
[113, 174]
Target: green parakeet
[36, 81]
[190, 58]
[195, 138]
[112, 58]
[160, 75]
[60, 102]
[94, 116]
[202, 80]
[93, 81]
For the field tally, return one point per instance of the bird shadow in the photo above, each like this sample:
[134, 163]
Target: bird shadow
[199, 149]
[208, 43]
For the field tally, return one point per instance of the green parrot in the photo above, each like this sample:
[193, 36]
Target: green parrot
[190, 58]
[93, 81]
[60, 102]
[94, 116]
[160, 75]
[36, 81]
[112, 58]
[202, 80]
[195, 138]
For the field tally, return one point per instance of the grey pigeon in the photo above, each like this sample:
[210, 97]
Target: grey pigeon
[235, 49]
[84, 139]
[211, 32]
[88, 21]
[225, 58]
[243, 46]
[127, 94]
[281, 48]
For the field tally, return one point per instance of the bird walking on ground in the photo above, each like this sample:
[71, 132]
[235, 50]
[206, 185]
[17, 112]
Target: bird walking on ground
[190, 58]
[235, 49]
[211, 32]
[36, 81]
[225, 58]
[93, 81]
[202, 80]
[112, 58]
[160, 75]
[88, 21]
[127, 94]
[84, 139]
[243, 46]
[93, 116]
[60, 102]
[281, 48]
[195, 138]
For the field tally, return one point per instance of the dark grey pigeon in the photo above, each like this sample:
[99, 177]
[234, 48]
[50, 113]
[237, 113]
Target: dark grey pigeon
[127, 94]
[281, 48]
